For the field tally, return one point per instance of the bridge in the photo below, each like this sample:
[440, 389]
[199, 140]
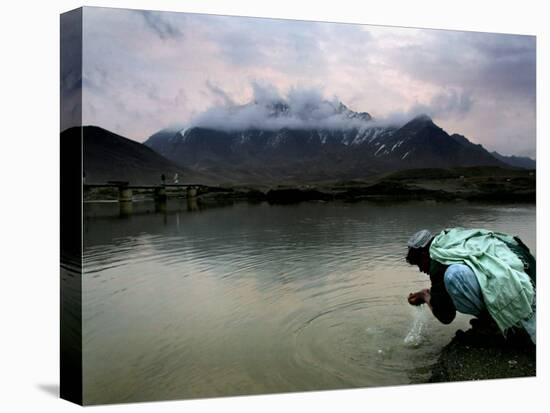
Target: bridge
[126, 190]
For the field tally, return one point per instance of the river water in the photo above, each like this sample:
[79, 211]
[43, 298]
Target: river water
[183, 302]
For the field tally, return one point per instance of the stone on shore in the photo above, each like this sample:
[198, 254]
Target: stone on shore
[481, 355]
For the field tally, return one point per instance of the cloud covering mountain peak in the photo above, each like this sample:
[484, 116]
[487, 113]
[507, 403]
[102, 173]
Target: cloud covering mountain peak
[301, 108]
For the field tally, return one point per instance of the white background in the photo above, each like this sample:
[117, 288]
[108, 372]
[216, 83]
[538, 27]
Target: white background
[29, 230]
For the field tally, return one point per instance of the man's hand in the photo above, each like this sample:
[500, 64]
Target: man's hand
[416, 298]
[420, 297]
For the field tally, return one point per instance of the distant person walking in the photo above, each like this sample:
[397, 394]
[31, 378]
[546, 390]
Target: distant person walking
[163, 179]
[176, 178]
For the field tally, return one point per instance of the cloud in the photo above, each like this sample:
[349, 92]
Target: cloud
[301, 108]
[283, 45]
[495, 65]
[168, 67]
[220, 94]
[446, 104]
[160, 24]
[265, 93]
[71, 69]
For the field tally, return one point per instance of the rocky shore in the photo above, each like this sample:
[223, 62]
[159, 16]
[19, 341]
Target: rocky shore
[478, 354]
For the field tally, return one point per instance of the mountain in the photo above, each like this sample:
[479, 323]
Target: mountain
[110, 157]
[344, 145]
[516, 161]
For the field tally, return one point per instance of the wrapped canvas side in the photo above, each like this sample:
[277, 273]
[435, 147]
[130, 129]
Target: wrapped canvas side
[71, 206]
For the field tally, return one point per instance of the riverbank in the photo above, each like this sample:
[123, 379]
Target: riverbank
[478, 355]
[487, 184]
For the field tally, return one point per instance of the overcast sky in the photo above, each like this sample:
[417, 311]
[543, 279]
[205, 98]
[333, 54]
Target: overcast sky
[144, 71]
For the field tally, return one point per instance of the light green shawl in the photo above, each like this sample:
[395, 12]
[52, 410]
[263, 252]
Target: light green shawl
[507, 289]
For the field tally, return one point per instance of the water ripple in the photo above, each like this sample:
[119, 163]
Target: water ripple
[262, 299]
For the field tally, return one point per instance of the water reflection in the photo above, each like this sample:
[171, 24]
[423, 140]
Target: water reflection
[257, 298]
[160, 207]
[192, 204]
[126, 208]
[71, 332]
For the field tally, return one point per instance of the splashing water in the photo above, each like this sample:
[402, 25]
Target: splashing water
[415, 337]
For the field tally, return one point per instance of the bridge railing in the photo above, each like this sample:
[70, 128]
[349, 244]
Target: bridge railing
[125, 189]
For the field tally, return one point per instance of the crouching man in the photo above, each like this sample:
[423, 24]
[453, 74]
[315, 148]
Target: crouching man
[486, 274]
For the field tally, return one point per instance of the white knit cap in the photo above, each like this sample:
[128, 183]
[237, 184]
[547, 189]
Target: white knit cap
[420, 239]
